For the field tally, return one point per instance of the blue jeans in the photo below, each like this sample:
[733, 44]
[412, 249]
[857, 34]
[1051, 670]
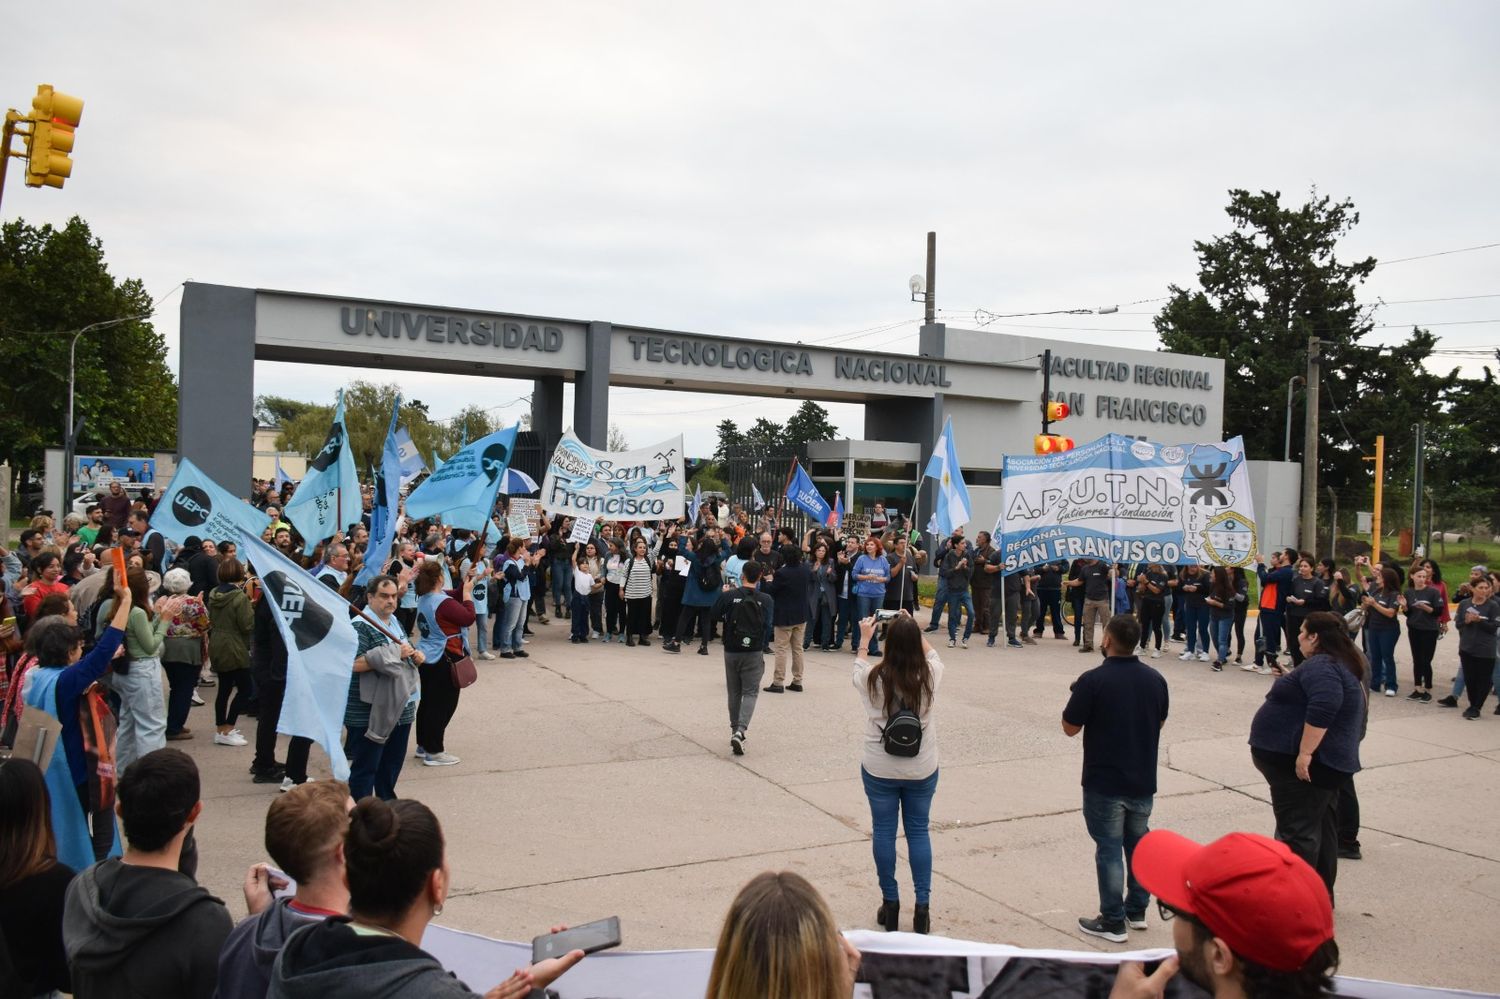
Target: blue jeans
[1221, 626]
[864, 606]
[1195, 626]
[956, 600]
[562, 581]
[938, 601]
[912, 799]
[580, 607]
[1116, 824]
[374, 768]
[482, 633]
[1382, 646]
[512, 625]
[845, 623]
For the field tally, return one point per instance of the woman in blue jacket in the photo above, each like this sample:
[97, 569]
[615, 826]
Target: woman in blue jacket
[871, 574]
[704, 581]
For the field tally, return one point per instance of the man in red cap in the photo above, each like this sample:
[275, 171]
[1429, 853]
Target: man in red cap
[1253, 919]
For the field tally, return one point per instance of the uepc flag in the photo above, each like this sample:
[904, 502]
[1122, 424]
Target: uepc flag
[320, 645]
[197, 506]
[387, 500]
[327, 499]
[801, 493]
[462, 491]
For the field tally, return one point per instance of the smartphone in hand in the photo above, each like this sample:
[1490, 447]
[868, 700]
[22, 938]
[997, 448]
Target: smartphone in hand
[589, 938]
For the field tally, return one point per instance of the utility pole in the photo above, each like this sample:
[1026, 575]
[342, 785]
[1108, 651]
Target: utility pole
[1379, 460]
[931, 300]
[1419, 543]
[1310, 451]
[1046, 390]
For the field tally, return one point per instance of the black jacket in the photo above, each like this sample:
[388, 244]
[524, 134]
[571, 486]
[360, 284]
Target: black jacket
[204, 570]
[789, 592]
[267, 650]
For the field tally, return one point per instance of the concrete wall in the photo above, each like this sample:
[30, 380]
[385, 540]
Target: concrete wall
[1276, 487]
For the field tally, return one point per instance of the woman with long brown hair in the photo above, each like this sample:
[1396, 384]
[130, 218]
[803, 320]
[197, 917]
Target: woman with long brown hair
[32, 882]
[899, 765]
[1305, 740]
[780, 939]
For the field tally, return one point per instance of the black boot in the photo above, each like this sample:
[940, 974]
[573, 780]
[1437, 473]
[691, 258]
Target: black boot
[630, 641]
[921, 920]
[889, 915]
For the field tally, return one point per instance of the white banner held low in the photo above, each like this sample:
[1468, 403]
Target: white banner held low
[1126, 500]
[892, 964]
[644, 484]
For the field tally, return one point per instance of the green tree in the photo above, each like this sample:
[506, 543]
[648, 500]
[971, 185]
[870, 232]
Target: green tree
[367, 414]
[53, 283]
[809, 423]
[731, 441]
[1265, 288]
[766, 437]
[276, 411]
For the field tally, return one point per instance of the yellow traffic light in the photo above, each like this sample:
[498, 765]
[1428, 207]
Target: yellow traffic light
[1051, 444]
[54, 116]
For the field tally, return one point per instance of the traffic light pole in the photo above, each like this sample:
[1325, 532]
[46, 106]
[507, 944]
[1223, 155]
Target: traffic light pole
[1046, 389]
[11, 117]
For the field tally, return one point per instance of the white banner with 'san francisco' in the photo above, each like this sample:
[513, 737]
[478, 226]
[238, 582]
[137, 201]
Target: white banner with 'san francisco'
[643, 484]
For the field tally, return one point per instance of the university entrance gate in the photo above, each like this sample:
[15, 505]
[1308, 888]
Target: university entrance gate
[990, 384]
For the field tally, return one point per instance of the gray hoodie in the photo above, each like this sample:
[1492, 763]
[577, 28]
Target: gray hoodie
[142, 931]
[245, 963]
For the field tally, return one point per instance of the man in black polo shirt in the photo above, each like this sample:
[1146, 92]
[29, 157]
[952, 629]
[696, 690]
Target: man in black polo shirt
[1093, 579]
[1120, 707]
[1049, 591]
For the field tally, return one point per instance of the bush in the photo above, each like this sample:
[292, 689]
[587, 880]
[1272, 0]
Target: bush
[1476, 556]
[1349, 547]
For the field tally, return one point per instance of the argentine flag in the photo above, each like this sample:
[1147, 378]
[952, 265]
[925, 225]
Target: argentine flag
[952, 507]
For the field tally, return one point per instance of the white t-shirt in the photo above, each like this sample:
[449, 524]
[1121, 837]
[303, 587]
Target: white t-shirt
[876, 761]
[583, 581]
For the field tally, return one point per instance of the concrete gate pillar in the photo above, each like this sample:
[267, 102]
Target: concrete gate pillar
[216, 383]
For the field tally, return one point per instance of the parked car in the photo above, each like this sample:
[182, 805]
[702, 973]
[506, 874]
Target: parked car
[89, 497]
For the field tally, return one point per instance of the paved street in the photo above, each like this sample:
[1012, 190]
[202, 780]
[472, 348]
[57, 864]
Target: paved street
[597, 780]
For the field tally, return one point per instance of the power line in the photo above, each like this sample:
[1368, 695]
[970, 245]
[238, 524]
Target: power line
[1440, 253]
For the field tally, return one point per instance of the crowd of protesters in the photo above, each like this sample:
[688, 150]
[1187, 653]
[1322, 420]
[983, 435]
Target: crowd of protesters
[120, 664]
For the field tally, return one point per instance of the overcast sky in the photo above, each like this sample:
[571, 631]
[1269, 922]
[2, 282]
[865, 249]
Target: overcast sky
[766, 170]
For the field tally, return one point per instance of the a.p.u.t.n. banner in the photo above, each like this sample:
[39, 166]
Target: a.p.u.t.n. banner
[1128, 500]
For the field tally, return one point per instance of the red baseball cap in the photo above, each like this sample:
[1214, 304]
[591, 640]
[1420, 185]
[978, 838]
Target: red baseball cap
[1253, 893]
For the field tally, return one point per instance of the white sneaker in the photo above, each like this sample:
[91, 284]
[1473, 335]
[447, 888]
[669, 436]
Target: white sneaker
[197, 701]
[1156, 654]
[420, 754]
[439, 760]
[1263, 670]
[1203, 657]
[230, 739]
[486, 655]
[1250, 668]
[1390, 692]
[964, 644]
[1186, 657]
[951, 643]
[287, 784]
